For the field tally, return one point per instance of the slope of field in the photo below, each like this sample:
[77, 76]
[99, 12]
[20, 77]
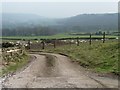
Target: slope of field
[101, 57]
[57, 36]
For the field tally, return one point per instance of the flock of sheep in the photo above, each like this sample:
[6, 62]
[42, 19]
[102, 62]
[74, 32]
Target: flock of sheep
[46, 42]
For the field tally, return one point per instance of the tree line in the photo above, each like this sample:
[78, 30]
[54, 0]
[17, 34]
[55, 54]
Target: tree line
[28, 31]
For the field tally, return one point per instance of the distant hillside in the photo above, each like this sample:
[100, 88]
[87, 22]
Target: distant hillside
[15, 24]
[90, 22]
[14, 20]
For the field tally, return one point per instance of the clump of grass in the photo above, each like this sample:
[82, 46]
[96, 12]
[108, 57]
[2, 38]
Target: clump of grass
[101, 57]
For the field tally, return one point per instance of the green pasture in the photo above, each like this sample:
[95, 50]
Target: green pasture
[58, 36]
[99, 57]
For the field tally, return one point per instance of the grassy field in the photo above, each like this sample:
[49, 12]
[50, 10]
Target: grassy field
[58, 36]
[99, 57]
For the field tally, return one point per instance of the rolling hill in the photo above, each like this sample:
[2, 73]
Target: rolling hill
[34, 23]
[91, 22]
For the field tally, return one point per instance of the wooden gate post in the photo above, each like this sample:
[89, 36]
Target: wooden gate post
[78, 41]
[90, 40]
[104, 37]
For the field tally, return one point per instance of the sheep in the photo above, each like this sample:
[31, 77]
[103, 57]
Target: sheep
[83, 41]
[96, 40]
[72, 41]
[117, 38]
[37, 41]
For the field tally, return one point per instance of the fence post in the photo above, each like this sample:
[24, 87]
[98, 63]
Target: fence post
[90, 39]
[77, 41]
[104, 37]
[43, 44]
[28, 44]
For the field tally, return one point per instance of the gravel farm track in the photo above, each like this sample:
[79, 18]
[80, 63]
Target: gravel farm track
[49, 70]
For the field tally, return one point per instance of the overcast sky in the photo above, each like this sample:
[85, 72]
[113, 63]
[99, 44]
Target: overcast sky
[59, 9]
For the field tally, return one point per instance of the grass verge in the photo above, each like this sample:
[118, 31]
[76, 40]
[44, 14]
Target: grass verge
[99, 57]
[13, 66]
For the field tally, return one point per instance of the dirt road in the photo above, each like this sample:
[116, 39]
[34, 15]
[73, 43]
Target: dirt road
[56, 71]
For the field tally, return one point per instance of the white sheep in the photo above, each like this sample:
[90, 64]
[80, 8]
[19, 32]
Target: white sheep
[117, 38]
